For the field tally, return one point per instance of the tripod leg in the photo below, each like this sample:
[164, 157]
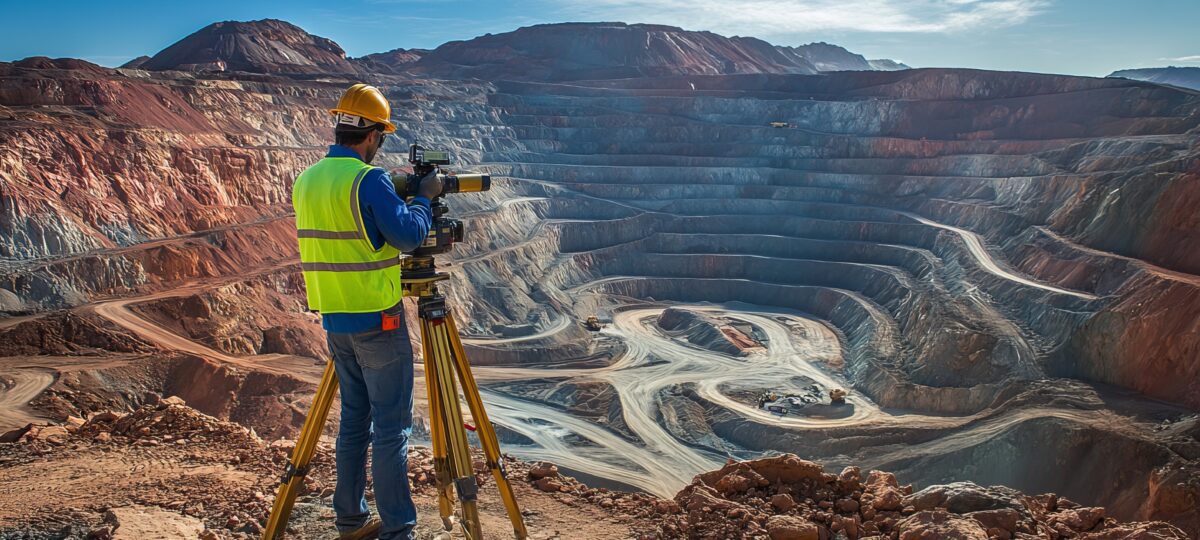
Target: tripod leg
[437, 431]
[485, 431]
[306, 444]
[452, 421]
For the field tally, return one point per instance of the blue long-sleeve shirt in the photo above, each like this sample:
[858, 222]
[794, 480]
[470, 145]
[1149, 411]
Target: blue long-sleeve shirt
[386, 218]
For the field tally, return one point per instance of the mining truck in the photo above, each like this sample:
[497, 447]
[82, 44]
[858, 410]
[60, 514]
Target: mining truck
[789, 404]
[593, 324]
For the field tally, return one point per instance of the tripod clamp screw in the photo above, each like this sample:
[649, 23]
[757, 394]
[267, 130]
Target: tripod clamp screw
[291, 471]
[499, 467]
[432, 308]
[466, 487]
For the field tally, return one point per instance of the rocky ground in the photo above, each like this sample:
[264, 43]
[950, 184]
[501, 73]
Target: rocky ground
[170, 470]
[787, 497]
[165, 470]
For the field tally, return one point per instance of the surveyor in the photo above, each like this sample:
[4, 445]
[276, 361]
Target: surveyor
[352, 227]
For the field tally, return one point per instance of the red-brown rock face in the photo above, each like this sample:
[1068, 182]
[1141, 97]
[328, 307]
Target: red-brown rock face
[96, 162]
[266, 46]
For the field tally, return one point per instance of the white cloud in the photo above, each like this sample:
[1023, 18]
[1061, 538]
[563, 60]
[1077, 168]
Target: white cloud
[1184, 59]
[782, 17]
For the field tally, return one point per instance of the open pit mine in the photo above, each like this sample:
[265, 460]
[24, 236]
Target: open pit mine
[831, 301]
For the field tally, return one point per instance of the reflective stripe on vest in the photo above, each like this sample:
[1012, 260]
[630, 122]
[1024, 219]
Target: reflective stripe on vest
[343, 272]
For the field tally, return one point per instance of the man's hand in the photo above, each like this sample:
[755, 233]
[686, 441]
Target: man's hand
[431, 185]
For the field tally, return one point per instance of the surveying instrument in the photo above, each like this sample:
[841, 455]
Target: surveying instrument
[446, 368]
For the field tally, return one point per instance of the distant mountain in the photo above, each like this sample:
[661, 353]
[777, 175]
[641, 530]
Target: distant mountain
[883, 64]
[577, 51]
[391, 61]
[826, 57]
[1186, 77]
[565, 51]
[136, 63]
[266, 46]
[72, 64]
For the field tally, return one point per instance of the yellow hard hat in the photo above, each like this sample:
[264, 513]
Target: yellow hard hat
[361, 106]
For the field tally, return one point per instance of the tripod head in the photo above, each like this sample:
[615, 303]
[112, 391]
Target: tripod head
[418, 275]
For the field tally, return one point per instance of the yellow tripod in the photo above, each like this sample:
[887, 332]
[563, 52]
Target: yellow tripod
[445, 363]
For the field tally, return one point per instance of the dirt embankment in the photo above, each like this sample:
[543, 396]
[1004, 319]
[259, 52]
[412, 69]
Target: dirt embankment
[66, 333]
[264, 315]
[707, 332]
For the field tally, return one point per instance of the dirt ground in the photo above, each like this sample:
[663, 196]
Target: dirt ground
[92, 480]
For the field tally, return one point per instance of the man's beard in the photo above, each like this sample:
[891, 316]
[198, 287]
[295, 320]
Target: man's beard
[371, 153]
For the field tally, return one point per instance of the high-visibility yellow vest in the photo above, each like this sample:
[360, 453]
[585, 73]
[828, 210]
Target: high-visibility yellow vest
[343, 272]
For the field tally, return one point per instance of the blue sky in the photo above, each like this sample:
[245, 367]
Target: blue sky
[1084, 37]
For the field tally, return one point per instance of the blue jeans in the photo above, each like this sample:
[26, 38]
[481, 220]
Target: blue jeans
[375, 370]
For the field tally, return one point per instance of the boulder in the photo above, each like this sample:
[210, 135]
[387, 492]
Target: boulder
[965, 497]
[791, 528]
[1003, 518]
[174, 400]
[787, 469]
[850, 479]
[740, 481]
[543, 470]
[52, 434]
[940, 525]
[888, 498]
[1079, 519]
[877, 480]
[783, 502]
[105, 417]
[697, 497]
[666, 507]
[1156, 530]
[141, 522]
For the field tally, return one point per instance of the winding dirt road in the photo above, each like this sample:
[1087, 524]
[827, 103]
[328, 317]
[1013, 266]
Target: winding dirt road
[17, 388]
[658, 461]
[975, 245]
[654, 361]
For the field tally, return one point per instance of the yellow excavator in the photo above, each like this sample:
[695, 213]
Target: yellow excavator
[593, 323]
